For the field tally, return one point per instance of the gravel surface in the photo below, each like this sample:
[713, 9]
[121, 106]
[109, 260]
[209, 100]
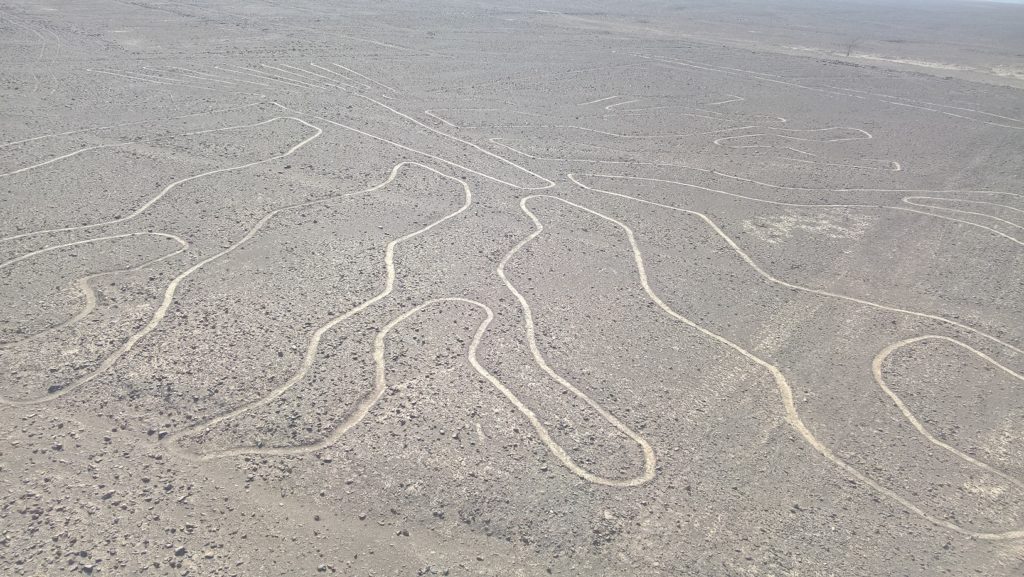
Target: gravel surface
[455, 288]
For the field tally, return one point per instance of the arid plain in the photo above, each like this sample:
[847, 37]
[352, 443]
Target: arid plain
[530, 288]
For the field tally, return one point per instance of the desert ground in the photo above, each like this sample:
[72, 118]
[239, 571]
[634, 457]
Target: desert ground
[511, 289]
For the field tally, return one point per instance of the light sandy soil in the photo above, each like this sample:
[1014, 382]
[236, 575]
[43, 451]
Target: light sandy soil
[464, 289]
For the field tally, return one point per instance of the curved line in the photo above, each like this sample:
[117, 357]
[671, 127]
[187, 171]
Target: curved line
[761, 77]
[785, 391]
[161, 311]
[893, 165]
[746, 258]
[549, 184]
[176, 183]
[413, 150]
[314, 342]
[794, 204]
[910, 200]
[127, 142]
[432, 113]
[83, 283]
[42, 50]
[80, 130]
[867, 135]
[649, 457]
[380, 385]
[876, 370]
[738, 178]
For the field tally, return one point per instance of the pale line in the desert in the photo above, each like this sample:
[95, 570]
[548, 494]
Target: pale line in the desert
[269, 76]
[193, 85]
[168, 299]
[761, 77]
[161, 70]
[1010, 118]
[380, 386]
[806, 205]
[158, 77]
[130, 142]
[208, 76]
[314, 341]
[83, 283]
[867, 135]
[786, 392]
[635, 111]
[877, 370]
[288, 74]
[96, 128]
[42, 48]
[432, 112]
[813, 189]
[954, 115]
[260, 76]
[798, 151]
[598, 100]
[408, 148]
[344, 85]
[97, 70]
[304, 78]
[382, 85]
[733, 98]
[643, 136]
[623, 103]
[498, 142]
[910, 200]
[967, 200]
[441, 119]
[163, 80]
[650, 460]
[535, 77]
[176, 183]
[42, 53]
[53, 61]
[342, 76]
[501, 159]
[893, 165]
[768, 276]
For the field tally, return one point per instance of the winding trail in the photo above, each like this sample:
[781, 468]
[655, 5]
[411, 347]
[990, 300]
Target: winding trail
[380, 386]
[122, 124]
[815, 205]
[161, 311]
[83, 283]
[145, 206]
[877, 371]
[371, 399]
[314, 342]
[451, 163]
[753, 264]
[785, 390]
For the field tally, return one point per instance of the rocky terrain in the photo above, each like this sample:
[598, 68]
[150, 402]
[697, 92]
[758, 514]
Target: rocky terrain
[458, 288]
